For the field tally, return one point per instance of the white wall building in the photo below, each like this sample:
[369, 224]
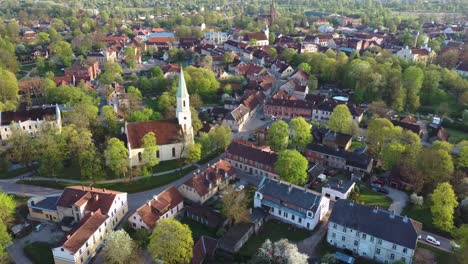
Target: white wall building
[290, 203]
[372, 233]
[336, 189]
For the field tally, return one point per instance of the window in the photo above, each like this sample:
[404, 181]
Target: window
[377, 251]
[379, 241]
[184, 103]
[344, 229]
[309, 214]
[157, 154]
[363, 236]
[285, 214]
[392, 256]
[403, 259]
[334, 226]
[173, 152]
[372, 239]
[139, 156]
[61, 248]
[356, 242]
[404, 250]
[300, 220]
[333, 235]
[279, 211]
[343, 238]
[86, 244]
[292, 217]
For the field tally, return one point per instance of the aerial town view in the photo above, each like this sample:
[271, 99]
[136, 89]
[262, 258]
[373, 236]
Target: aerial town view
[242, 131]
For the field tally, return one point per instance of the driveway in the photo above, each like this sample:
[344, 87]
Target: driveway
[308, 246]
[445, 243]
[399, 198]
[50, 233]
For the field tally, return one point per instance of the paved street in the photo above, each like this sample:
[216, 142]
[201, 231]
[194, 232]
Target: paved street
[445, 244]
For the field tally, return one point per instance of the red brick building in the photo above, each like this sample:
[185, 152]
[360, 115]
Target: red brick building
[83, 70]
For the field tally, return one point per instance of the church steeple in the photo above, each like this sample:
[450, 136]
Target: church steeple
[184, 116]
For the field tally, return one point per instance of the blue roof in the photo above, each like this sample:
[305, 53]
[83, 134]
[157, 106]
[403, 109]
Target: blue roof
[161, 34]
[347, 49]
[49, 203]
[345, 258]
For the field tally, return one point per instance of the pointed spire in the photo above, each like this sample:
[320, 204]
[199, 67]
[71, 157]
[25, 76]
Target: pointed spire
[182, 89]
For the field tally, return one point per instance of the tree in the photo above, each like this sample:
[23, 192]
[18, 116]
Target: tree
[130, 58]
[340, 119]
[376, 135]
[42, 38]
[462, 161]
[461, 237]
[228, 58]
[436, 165]
[155, 72]
[278, 135]
[196, 122]
[20, 147]
[51, 152]
[119, 247]
[116, 156]
[280, 252]
[448, 59]
[300, 132]
[391, 154]
[8, 90]
[171, 242]
[220, 137]
[292, 167]
[7, 208]
[62, 52]
[234, 206]
[5, 241]
[329, 258]
[150, 148]
[194, 152]
[90, 164]
[110, 117]
[413, 78]
[289, 54]
[443, 203]
[201, 81]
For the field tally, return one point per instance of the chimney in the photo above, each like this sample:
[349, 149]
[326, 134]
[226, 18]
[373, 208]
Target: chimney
[92, 213]
[155, 197]
[68, 236]
[290, 188]
[96, 197]
[91, 186]
[405, 219]
[103, 189]
[148, 202]
[375, 210]
[392, 214]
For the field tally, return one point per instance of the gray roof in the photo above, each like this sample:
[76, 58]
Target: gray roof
[375, 222]
[49, 203]
[289, 194]
[338, 185]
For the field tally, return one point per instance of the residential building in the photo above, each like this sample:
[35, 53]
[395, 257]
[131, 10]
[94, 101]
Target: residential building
[251, 159]
[409, 123]
[102, 56]
[422, 55]
[462, 69]
[336, 189]
[83, 70]
[30, 120]
[372, 232]
[291, 203]
[257, 38]
[167, 204]
[339, 158]
[173, 135]
[206, 215]
[203, 250]
[87, 213]
[215, 38]
[237, 118]
[203, 185]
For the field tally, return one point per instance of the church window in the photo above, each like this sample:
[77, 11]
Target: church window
[139, 156]
[173, 152]
[184, 103]
[157, 154]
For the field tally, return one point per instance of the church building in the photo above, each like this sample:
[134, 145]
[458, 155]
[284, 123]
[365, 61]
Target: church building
[172, 135]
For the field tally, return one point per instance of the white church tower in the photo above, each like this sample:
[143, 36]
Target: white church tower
[184, 116]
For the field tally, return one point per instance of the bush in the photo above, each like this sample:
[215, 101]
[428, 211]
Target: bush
[417, 200]
[448, 123]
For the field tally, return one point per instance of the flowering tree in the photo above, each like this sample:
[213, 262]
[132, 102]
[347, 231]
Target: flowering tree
[280, 252]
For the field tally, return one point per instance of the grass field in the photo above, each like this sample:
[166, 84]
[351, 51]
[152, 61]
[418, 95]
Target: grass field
[141, 185]
[274, 231]
[455, 136]
[441, 256]
[423, 214]
[371, 198]
[39, 253]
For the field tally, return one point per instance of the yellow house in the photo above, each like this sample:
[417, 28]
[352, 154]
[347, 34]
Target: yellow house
[44, 208]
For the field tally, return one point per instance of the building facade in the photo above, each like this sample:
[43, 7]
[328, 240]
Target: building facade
[372, 233]
[290, 203]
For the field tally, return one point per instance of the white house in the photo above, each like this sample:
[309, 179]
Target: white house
[96, 212]
[372, 233]
[336, 189]
[164, 205]
[29, 120]
[216, 38]
[172, 135]
[290, 203]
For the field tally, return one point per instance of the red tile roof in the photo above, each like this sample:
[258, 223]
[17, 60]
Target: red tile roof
[166, 132]
[204, 248]
[88, 226]
[201, 182]
[95, 198]
[159, 205]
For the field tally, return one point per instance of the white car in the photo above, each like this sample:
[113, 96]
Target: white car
[432, 240]
[240, 188]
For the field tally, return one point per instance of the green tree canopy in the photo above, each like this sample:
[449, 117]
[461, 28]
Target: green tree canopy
[444, 202]
[292, 167]
[340, 119]
[171, 242]
[234, 206]
[150, 148]
[119, 248]
[8, 90]
[116, 156]
[300, 132]
[278, 135]
[62, 52]
[194, 152]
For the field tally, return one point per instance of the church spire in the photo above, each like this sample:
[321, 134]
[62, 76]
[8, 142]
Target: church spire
[182, 88]
[183, 114]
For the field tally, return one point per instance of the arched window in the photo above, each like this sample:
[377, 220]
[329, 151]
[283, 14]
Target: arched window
[139, 156]
[183, 102]
[173, 152]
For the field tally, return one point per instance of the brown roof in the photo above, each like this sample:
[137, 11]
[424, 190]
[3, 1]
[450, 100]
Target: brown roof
[88, 226]
[95, 198]
[166, 131]
[8, 117]
[159, 40]
[420, 51]
[26, 86]
[151, 211]
[250, 152]
[256, 36]
[204, 248]
[201, 182]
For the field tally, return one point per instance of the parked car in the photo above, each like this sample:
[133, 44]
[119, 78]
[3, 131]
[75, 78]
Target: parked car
[39, 227]
[382, 183]
[263, 118]
[376, 185]
[240, 188]
[432, 240]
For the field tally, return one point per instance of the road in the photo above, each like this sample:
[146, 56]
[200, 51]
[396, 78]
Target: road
[399, 198]
[445, 244]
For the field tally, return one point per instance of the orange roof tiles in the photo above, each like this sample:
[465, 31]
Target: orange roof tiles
[166, 131]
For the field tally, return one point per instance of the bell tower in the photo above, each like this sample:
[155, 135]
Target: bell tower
[183, 114]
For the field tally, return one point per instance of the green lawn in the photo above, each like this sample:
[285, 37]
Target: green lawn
[210, 157]
[13, 173]
[455, 136]
[371, 198]
[273, 230]
[144, 184]
[355, 145]
[39, 253]
[198, 229]
[441, 256]
[168, 165]
[423, 214]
